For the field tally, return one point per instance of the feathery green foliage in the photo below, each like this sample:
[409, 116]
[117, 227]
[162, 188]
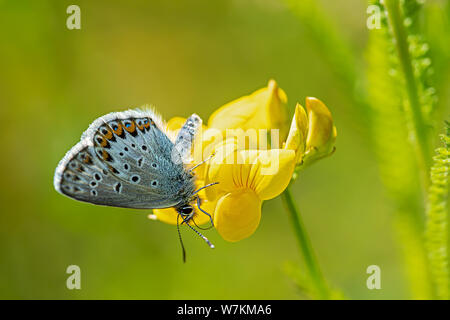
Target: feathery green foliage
[437, 219]
[400, 103]
[305, 286]
[302, 282]
[389, 126]
[396, 157]
[420, 58]
[413, 109]
[437, 14]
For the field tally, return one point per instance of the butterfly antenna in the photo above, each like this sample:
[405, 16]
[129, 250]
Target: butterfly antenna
[199, 164]
[199, 234]
[181, 240]
[198, 205]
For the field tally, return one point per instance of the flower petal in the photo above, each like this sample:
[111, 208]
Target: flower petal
[237, 215]
[321, 131]
[263, 109]
[219, 169]
[296, 139]
[169, 215]
[274, 172]
[267, 172]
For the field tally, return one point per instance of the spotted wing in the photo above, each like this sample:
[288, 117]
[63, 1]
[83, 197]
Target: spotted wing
[124, 159]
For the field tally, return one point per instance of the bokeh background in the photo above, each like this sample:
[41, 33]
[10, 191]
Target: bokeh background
[182, 57]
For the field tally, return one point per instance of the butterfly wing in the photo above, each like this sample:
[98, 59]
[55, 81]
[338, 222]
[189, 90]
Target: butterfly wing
[184, 141]
[124, 159]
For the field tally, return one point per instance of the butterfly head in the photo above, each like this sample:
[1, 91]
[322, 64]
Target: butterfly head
[186, 211]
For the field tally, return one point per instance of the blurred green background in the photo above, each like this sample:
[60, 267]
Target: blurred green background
[182, 57]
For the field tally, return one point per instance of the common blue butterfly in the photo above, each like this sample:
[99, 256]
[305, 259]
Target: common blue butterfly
[126, 159]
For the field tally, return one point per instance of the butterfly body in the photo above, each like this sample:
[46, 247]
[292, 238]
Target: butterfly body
[126, 159]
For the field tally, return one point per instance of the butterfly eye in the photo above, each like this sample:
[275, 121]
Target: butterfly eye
[186, 210]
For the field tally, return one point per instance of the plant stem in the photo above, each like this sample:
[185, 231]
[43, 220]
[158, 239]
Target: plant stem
[436, 232]
[412, 226]
[414, 112]
[306, 249]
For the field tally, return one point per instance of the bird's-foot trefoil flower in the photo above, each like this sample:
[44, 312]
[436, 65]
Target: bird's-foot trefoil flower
[312, 133]
[255, 176]
[250, 173]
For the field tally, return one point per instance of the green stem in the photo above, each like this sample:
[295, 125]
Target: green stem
[306, 249]
[414, 112]
[414, 250]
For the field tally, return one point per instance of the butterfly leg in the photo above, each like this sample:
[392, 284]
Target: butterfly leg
[185, 219]
[198, 205]
[208, 185]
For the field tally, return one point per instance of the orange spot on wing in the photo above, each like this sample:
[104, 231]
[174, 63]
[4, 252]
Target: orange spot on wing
[103, 143]
[109, 135]
[119, 129]
[132, 128]
[105, 155]
[87, 159]
[141, 127]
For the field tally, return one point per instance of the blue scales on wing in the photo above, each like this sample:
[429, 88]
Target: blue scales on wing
[124, 159]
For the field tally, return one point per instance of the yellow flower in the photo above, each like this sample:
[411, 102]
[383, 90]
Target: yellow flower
[263, 109]
[247, 181]
[255, 176]
[312, 133]
[248, 176]
[298, 132]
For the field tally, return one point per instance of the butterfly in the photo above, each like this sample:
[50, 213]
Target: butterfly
[127, 159]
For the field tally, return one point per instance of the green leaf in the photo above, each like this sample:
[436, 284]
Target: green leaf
[437, 219]
[393, 146]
